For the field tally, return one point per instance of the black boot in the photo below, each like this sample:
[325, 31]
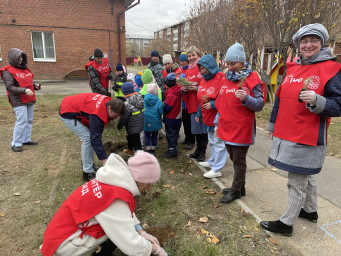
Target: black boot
[242, 190]
[201, 157]
[196, 153]
[277, 227]
[88, 176]
[311, 216]
[230, 196]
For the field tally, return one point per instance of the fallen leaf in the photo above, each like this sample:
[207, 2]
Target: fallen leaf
[182, 171]
[20, 249]
[273, 169]
[145, 225]
[211, 192]
[173, 235]
[247, 236]
[274, 241]
[256, 228]
[215, 240]
[153, 215]
[190, 174]
[188, 224]
[17, 194]
[38, 202]
[209, 240]
[203, 231]
[216, 206]
[171, 172]
[172, 211]
[204, 187]
[203, 219]
[2, 214]
[167, 186]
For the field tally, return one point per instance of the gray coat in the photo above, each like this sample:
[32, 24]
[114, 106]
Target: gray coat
[305, 159]
[133, 119]
[12, 86]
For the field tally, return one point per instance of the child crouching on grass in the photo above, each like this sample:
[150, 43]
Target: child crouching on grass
[152, 117]
[133, 118]
[172, 114]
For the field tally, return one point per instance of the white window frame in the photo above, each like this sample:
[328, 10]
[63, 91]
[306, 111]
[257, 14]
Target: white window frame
[43, 38]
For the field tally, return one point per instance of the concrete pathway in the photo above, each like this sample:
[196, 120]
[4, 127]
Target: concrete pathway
[266, 198]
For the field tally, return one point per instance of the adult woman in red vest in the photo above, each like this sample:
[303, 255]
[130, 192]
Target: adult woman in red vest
[299, 129]
[86, 114]
[101, 212]
[207, 94]
[18, 80]
[197, 128]
[100, 73]
[239, 98]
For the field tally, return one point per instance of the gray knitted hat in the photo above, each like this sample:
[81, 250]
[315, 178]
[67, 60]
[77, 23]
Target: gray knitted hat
[311, 29]
[235, 53]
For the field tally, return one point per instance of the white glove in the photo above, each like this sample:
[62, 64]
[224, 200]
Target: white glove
[308, 97]
[150, 238]
[160, 251]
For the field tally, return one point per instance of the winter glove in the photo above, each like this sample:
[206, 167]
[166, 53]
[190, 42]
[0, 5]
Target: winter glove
[150, 238]
[160, 251]
[109, 76]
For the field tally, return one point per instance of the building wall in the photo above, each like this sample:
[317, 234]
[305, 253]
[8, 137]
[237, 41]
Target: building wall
[79, 27]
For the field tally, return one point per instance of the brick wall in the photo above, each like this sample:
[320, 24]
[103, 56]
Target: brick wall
[78, 26]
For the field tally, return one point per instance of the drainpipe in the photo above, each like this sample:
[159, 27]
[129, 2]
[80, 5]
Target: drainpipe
[119, 29]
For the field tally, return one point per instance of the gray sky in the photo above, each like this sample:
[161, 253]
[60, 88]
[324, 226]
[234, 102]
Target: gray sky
[152, 15]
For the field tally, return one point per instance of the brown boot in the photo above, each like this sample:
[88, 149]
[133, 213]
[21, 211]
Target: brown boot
[129, 152]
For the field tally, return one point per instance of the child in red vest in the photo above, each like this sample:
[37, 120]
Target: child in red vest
[172, 114]
[101, 212]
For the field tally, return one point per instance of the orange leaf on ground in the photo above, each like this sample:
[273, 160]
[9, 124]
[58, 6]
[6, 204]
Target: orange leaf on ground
[274, 241]
[216, 206]
[189, 223]
[215, 240]
[247, 236]
[171, 172]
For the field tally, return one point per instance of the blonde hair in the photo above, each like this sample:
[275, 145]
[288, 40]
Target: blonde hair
[191, 49]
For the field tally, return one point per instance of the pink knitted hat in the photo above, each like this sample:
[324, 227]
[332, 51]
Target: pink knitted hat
[144, 167]
[153, 89]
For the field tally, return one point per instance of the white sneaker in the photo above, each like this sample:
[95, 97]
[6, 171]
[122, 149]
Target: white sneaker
[204, 164]
[212, 174]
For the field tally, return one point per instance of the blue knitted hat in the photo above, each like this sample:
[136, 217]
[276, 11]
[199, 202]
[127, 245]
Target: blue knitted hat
[127, 88]
[170, 80]
[119, 67]
[155, 53]
[138, 80]
[235, 53]
[183, 57]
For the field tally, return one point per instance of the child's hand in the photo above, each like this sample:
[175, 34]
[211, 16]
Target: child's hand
[197, 119]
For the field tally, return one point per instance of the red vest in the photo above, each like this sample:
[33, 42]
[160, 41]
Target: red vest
[24, 77]
[103, 71]
[177, 72]
[208, 90]
[236, 121]
[90, 103]
[192, 103]
[294, 121]
[83, 204]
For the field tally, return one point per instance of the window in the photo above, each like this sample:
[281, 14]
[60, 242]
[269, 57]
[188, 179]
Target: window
[43, 46]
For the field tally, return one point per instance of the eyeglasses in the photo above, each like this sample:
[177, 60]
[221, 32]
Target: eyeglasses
[313, 41]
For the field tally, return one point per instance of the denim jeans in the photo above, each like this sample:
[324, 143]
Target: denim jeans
[23, 125]
[83, 134]
[218, 152]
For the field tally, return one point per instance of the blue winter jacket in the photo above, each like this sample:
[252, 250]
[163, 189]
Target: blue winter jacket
[152, 113]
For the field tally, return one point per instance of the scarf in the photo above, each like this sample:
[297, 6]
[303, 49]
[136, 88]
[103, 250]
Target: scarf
[193, 65]
[237, 76]
[323, 55]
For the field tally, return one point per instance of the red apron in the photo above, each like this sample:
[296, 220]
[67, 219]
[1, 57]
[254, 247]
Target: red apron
[83, 204]
[191, 100]
[294, 121]
[103, 71]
